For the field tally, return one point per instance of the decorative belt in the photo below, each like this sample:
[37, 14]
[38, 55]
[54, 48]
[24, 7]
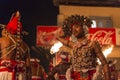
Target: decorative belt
[84, 70]
[82, 74]
[12, 64]
[8, 63]
[2, 69]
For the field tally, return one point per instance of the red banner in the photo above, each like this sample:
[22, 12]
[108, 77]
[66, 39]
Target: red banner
[46, 35]
[103, 35]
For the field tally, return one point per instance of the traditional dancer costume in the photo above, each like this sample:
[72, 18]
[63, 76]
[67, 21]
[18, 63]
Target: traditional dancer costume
[84, 61]
[15, 68]
[85, 51]
[38, 72]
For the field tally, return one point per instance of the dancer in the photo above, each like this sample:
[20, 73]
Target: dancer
[85, 51]
[14, 54]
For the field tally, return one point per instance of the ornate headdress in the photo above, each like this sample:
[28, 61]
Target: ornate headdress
[14, 26]
[75, 19]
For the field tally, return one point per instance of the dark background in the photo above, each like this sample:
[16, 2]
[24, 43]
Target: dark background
[33, 13]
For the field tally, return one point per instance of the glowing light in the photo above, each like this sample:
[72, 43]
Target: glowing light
[55, 48]
[106, 52]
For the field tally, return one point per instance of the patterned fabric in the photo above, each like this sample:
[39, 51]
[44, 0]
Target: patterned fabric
[83, 75]
[84, 58]
[8, 63]
[8, 69]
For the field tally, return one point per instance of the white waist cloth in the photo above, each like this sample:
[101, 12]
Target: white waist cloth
[7, 70]
[5, 75]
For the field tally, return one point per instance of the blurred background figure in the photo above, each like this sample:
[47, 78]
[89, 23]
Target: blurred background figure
[113, 71]
[99, 73]
[119, 74]
[38, 72]
[61, 68]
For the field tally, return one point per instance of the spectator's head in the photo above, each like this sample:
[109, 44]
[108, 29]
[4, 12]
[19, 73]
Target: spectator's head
[34, 60]
[111, 63]
[64, 56]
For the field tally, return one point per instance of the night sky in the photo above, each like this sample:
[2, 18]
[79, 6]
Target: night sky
[33, 13]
